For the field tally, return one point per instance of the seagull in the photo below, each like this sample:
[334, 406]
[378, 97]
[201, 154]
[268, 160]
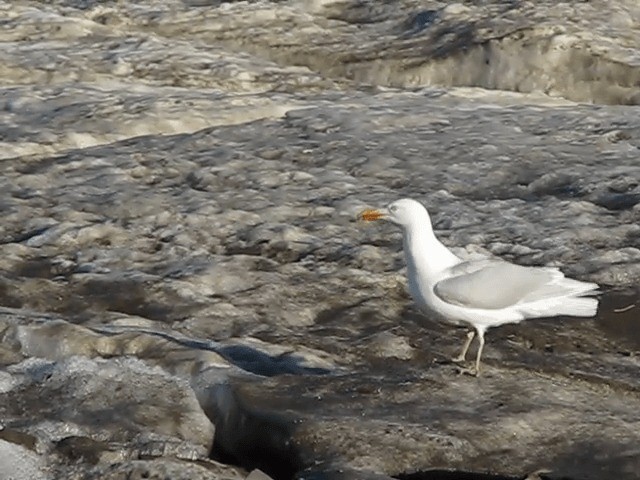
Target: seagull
[482, 293]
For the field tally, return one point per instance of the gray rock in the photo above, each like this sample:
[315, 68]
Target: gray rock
[160, 468]
[18, 463]
[183, 279]
[258, 474]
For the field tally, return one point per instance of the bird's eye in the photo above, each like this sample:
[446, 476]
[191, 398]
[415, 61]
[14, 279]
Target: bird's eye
[393, 208]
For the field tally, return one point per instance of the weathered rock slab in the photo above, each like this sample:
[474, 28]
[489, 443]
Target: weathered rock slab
[182, 279]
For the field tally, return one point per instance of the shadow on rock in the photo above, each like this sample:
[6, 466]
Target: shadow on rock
[262, 363]
[249, 437]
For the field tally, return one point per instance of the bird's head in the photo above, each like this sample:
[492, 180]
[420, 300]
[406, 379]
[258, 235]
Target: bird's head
[404, 212]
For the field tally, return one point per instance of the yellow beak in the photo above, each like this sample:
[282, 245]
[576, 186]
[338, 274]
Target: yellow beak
[371, 215]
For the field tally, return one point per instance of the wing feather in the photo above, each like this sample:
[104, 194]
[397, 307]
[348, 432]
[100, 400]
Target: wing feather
[490, 284]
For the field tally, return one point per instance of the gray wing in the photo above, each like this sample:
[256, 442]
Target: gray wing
[471, 266]
[491, 284]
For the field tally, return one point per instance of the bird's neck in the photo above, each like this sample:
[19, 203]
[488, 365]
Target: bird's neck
[424, 253]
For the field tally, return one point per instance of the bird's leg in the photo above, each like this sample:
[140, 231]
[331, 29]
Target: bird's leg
[479, 354]
[463, 354]
[476, 370]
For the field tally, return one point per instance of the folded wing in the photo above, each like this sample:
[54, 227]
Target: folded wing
[491, 284]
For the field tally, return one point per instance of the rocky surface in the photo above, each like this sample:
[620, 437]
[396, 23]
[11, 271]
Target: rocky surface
[185, 291]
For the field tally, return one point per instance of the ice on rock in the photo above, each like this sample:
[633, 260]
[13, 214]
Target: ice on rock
[19, 463]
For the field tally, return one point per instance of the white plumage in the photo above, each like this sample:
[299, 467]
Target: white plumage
[483, 293]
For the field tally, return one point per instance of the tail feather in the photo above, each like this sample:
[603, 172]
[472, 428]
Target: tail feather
[559, 287]
[572, 306]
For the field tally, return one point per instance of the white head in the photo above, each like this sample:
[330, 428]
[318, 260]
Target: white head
[406, 213]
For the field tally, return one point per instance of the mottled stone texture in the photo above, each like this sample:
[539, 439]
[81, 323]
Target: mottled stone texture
[184, 284]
